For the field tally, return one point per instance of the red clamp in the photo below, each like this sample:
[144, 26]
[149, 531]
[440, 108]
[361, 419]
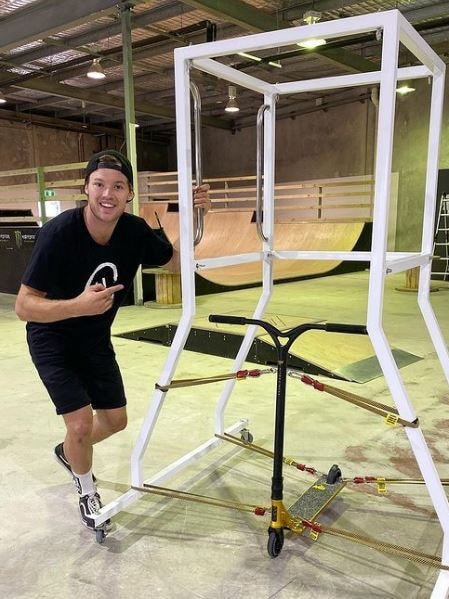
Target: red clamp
[241, 374]
[305, 468]
[364, 479]
[308, 380]
[313, 526]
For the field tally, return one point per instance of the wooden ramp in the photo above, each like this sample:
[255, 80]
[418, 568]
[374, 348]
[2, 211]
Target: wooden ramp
[337, 355]
[228, 233]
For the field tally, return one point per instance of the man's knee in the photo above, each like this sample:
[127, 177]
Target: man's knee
[120, 422]
[79, 430]
[114, 420]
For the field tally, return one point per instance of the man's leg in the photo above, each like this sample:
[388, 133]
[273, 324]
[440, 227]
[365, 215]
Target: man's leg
[78, 439]
[84, 429]
[108, 422]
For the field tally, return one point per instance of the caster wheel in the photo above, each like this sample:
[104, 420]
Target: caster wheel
[100, 535]
[275, 541]
[334, 475]
[246, 436]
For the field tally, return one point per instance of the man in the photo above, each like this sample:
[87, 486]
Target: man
[82, 265]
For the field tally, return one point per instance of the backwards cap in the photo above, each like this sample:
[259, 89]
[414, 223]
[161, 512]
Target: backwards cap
[96, 162]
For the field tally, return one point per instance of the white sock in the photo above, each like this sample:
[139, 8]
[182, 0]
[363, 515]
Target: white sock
[84, 483]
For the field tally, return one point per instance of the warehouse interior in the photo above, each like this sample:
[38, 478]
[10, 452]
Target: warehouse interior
[53, 115]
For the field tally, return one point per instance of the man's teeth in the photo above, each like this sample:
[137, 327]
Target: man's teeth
[107, 205]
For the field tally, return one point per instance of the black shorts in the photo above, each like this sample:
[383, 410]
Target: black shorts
[75, 378]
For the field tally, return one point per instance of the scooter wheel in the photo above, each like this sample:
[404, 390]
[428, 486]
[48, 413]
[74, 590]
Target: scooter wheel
[334, 475]
[275, 542]
[246, 436]
[100, 535]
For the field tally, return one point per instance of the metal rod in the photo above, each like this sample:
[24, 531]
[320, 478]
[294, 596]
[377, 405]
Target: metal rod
[199, 213]
[259, 215]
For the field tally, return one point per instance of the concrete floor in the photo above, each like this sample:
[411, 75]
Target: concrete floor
[172, 549]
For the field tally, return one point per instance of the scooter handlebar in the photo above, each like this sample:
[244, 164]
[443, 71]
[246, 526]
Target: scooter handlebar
[227, 319]
[356, 329]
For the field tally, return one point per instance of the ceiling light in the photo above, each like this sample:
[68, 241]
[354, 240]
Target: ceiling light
[405, 88]
[250, 56]
[3, 100]
[312, 43]
[96, 70]
[276, 64]
[311, 17]
[232, 105]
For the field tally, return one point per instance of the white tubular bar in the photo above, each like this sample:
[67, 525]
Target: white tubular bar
[370, 78]
[395, 30]
[187, 271]
[376, 285]
[417, 46]
[228, 260]
[267, 269]
[286, 37]
[435, 333]
[399, 264]
[321, 255]
[239, 78]
[228, 73]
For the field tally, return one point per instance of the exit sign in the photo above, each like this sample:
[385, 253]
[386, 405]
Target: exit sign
[49, 193]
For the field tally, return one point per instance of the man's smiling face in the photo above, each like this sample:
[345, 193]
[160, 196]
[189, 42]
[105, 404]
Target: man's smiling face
[107, 192]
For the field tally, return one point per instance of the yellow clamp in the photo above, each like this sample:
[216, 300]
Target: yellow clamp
[319, 487]
[381, 485]
[391, 419]
[313, 534]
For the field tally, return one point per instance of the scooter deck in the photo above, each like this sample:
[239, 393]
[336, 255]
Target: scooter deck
[313, 501]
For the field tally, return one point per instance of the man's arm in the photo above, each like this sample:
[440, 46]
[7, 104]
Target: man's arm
[33, 305]
[200, 200]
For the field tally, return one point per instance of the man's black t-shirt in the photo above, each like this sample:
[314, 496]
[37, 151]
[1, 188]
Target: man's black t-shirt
[66, 260]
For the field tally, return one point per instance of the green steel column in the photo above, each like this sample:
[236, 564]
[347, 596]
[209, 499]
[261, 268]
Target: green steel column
[130, 123]
[41, 190]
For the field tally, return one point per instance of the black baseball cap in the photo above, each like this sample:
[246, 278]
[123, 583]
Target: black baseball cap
[96, 162]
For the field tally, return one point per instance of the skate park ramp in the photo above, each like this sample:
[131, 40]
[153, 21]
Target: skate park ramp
[336, 355]
[234, 232]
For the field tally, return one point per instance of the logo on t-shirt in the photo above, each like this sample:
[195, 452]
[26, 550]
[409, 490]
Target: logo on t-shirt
[105, 273]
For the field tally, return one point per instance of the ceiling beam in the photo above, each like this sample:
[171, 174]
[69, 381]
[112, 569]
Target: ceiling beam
[105, 31]
[48, 17]
[318, 6]
[69, 91]
[434, 11]
[255, 20]
[352, 62]
[46, 121]
[245, 16]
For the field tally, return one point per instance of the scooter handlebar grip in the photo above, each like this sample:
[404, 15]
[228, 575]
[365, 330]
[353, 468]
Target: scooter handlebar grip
[227, 319]
[356, 329]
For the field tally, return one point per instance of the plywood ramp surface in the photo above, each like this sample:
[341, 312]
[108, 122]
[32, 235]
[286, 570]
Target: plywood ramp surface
[232, 232]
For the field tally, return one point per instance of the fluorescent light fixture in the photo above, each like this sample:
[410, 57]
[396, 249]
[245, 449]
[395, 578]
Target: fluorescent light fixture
[250, 56]
[96, 70]
[276, 64]
[3, 100]
[404, 89]
[232, 105]
[312, 43]
[310, 17]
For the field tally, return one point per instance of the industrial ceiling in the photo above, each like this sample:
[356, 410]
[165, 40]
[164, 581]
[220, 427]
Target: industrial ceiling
[46, 47]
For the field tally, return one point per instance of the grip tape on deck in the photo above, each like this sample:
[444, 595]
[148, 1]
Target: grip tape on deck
[315, 498]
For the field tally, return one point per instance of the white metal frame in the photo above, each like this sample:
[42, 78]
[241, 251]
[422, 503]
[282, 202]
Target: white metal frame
[395, 29]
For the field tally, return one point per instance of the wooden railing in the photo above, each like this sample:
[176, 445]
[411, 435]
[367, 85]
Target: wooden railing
[342, 199]
[34, 187]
